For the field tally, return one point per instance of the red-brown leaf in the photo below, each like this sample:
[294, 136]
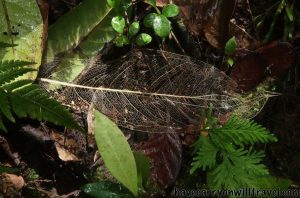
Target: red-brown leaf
[279, 55]
[249, 70]
[165, 153]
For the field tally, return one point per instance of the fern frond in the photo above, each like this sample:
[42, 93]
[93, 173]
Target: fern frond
[5, 45]
[5, 106]
[205, 156]
[240, 131]
[16, 84]
[239, 169]
[10, 64]
[9, 75]
[33, 102]
[2, 127]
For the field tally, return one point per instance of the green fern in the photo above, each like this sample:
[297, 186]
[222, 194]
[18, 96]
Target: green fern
[25, 99]
[239, 132]
[239, 169]
[223, 153]
[206, 154]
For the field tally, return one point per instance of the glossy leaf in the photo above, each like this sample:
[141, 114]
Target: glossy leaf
[134, 28]
[121, 40]
[116, 152]
[106, 189]
[170, 10]
[230, 46]
[151, 2]
[26, 26]
[118, 24]
[90, 20]
[113, 3]
[82, 21]
[165, 153]
[149, 19]
[143, 39]
[249, 70]
[162, 26]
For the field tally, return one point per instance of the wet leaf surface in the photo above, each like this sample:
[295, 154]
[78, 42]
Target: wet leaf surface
[165, 153]
[249, 70]
[279, 55]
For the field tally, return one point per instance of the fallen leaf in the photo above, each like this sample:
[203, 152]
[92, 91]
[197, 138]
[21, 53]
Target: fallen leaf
[165, 153]
[216, 21]
[10, 185]
[249, 70]
[279, 55]
[64, 154]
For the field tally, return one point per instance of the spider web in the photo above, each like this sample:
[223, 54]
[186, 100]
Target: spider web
[146, 90]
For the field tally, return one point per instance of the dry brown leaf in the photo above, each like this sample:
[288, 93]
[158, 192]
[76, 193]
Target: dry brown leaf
[64, 154]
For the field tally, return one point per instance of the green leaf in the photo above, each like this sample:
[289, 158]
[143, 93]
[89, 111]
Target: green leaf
[239, 169]
[106, 189]
[116, 152]
[2, 127]
[5, 106]
[289, 12]
[6, 169]
[272, 182]
[121, 40]
[230, 61]
[240, 131]
[33, 102]
[151, 2]
[6, 45]
[162, 26]
[206, 155]
[134, 28]
[230, 46]
[143, 39]
[113, 3]
[118, 24]
[149, 19]
[90, 20]
[26, 24]
[143, 168]
[170, 10]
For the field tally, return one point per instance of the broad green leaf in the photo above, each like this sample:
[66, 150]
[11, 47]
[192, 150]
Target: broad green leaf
[26, 24]
[106, 189]
[170, 10]
[85, 19]
[121, 40]
[151, 2]
[113, 3]
[162, 26]
[230, 46]
[118, 24]
[149, 19]
[90, 20]
[134, 28]
[143, 39]
[116, 152]
[143, 168]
